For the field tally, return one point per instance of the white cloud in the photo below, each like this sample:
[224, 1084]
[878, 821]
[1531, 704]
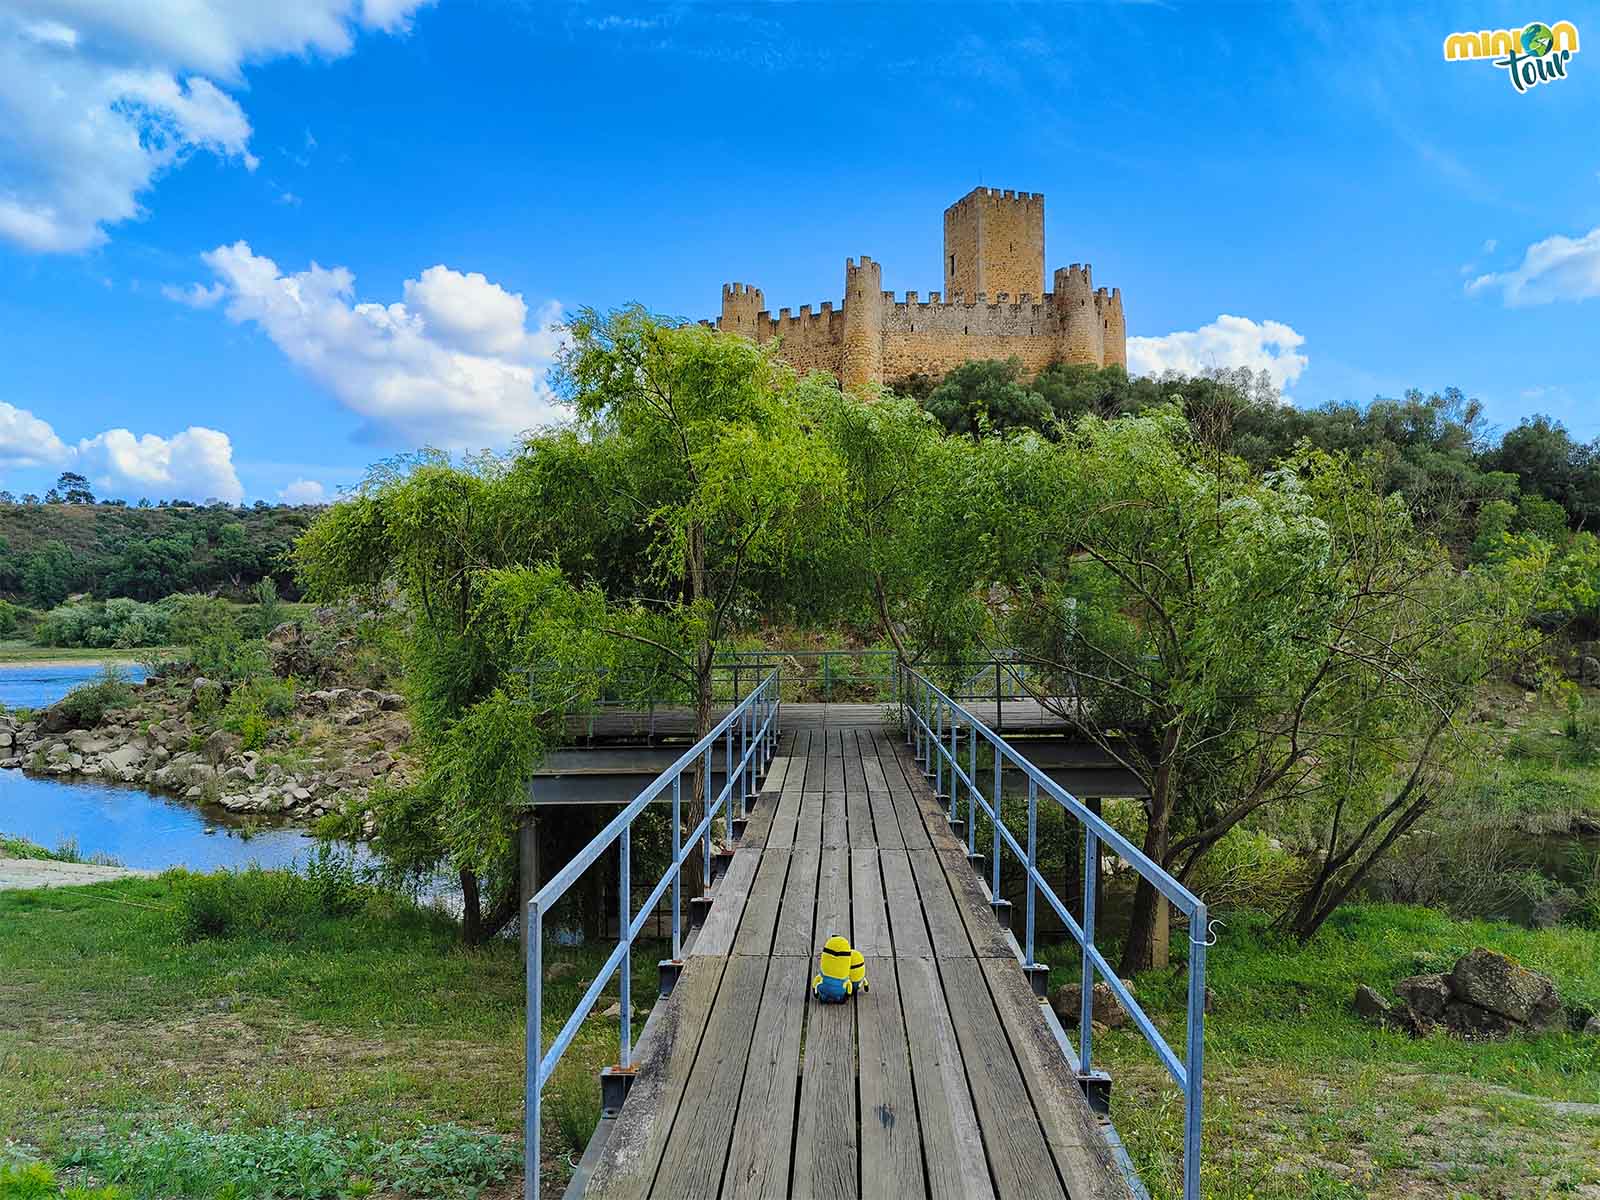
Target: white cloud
[1269, 346]
[195, 295]
[304, 491]
[455, 364]
[27, 441]
[99, 97]
[195, 464]
[1558, 268]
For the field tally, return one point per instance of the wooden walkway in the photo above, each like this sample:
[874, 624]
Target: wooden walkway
[941, 1081]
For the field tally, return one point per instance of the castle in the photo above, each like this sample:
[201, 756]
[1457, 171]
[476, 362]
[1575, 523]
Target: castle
[993, 306]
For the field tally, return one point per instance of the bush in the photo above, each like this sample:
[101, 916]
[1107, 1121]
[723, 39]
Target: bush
[87, 704]
[276, 905]
[255, 706]
[100, 625]
[35, 1181]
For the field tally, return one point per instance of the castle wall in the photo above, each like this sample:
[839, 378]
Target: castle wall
[993, 306]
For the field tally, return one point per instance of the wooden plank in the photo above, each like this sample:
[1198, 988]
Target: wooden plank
[833, 764]
[1018, 1157]
[835, 830]
[869, 915]
[799, 909]
[858, 820]
[785, 814]
[761, 909]
[808, 827]
[722, 922]
[872, 772]
[825, 1148]
[666, 1058]
[759, 826]
[891, 1146]
[854, 778]
[904, 906]
[698, 1144]
[833, 896]
[946, 931]
[885, 825]
[1080, 1153]
[763, 1130]
[777, 771]
[972, 902]
[956, 1165]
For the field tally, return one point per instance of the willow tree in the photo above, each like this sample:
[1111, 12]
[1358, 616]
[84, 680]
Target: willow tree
[610, 554]
[1230, 637]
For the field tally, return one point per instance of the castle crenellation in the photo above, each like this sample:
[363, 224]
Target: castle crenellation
[993, 305]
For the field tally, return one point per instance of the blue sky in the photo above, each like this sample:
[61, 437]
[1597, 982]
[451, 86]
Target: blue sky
[246, 251]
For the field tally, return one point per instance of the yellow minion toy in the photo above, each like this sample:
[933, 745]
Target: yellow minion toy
[858, 971]
[833, 984]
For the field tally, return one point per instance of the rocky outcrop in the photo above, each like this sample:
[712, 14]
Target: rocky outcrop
[344, 740]
[1485, 995]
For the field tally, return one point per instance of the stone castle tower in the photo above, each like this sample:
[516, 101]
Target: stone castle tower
[993, 306]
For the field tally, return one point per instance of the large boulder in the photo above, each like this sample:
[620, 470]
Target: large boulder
[1498, 984]
[1105, 1009]
[1426, 994]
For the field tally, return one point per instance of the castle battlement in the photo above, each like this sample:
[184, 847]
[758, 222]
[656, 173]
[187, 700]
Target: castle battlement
[993, 305]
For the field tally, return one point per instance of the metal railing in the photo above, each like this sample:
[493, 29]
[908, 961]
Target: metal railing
[932, 720]
[754, 724]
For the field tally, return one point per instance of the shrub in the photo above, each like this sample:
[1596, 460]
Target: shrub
[119, 623]
[35, 1181]
[255, 706]
[87, 704]
[277, 905]
[205, 908]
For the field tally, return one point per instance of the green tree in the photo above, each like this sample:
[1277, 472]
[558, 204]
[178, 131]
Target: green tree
[988, 394]
[74, 488]
[51, 574]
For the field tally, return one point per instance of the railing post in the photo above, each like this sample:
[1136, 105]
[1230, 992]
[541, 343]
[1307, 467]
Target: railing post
[938, 750]
[625, 935]
[1033, 864]
[705, 849]
[972, 789]
[994, 828]
[1195, 1051]
[999, 708]
[1091, 870]
[727, 776]
[534, 1051]
[677, 867]
[744, 764]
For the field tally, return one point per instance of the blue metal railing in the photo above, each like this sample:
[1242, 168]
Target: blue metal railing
[932, 720]
[754, 723]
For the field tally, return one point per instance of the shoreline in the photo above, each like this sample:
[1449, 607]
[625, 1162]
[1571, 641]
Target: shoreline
[128, 657]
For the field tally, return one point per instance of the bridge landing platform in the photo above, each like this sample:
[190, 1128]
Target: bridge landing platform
[943, 1080]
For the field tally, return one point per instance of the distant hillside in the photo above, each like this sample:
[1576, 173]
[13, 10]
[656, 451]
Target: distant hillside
[48, 551]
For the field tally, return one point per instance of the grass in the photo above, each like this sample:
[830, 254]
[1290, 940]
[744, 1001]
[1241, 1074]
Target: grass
[1305, 1101]
[358, 1030]
[67, 851]
[13, 652]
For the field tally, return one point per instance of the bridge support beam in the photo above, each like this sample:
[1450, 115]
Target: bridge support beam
[1038, 978]
[670, 969]
[1002, 912]
[1096, 1087]
[615, 1084]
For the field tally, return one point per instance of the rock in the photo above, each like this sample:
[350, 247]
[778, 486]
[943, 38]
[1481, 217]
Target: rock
[221, 746]
[1369, 1004]
[124, 758]
[1426, 994]
[1591, 1027]
[1470, 1021]
[559, 970]
[1104, 1008]
[1494, 982]
[614, 1011]
[1589, 671]
[7, 738]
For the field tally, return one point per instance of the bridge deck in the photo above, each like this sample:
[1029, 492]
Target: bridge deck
[675, 722]
[942, 1080]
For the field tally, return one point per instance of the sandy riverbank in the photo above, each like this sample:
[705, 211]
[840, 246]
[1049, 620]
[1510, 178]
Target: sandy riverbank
[18, 873]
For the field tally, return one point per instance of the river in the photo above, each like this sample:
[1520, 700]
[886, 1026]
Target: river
[132, 826]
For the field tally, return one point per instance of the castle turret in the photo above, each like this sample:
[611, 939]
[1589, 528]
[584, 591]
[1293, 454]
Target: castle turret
[740, 304]
[994, 243]
[1114, 329]
[863, 323]
[1083, 339]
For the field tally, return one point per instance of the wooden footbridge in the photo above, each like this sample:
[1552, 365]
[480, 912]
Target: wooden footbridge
[948, 1077]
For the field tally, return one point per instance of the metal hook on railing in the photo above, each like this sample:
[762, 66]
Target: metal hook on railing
[1211, 935]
